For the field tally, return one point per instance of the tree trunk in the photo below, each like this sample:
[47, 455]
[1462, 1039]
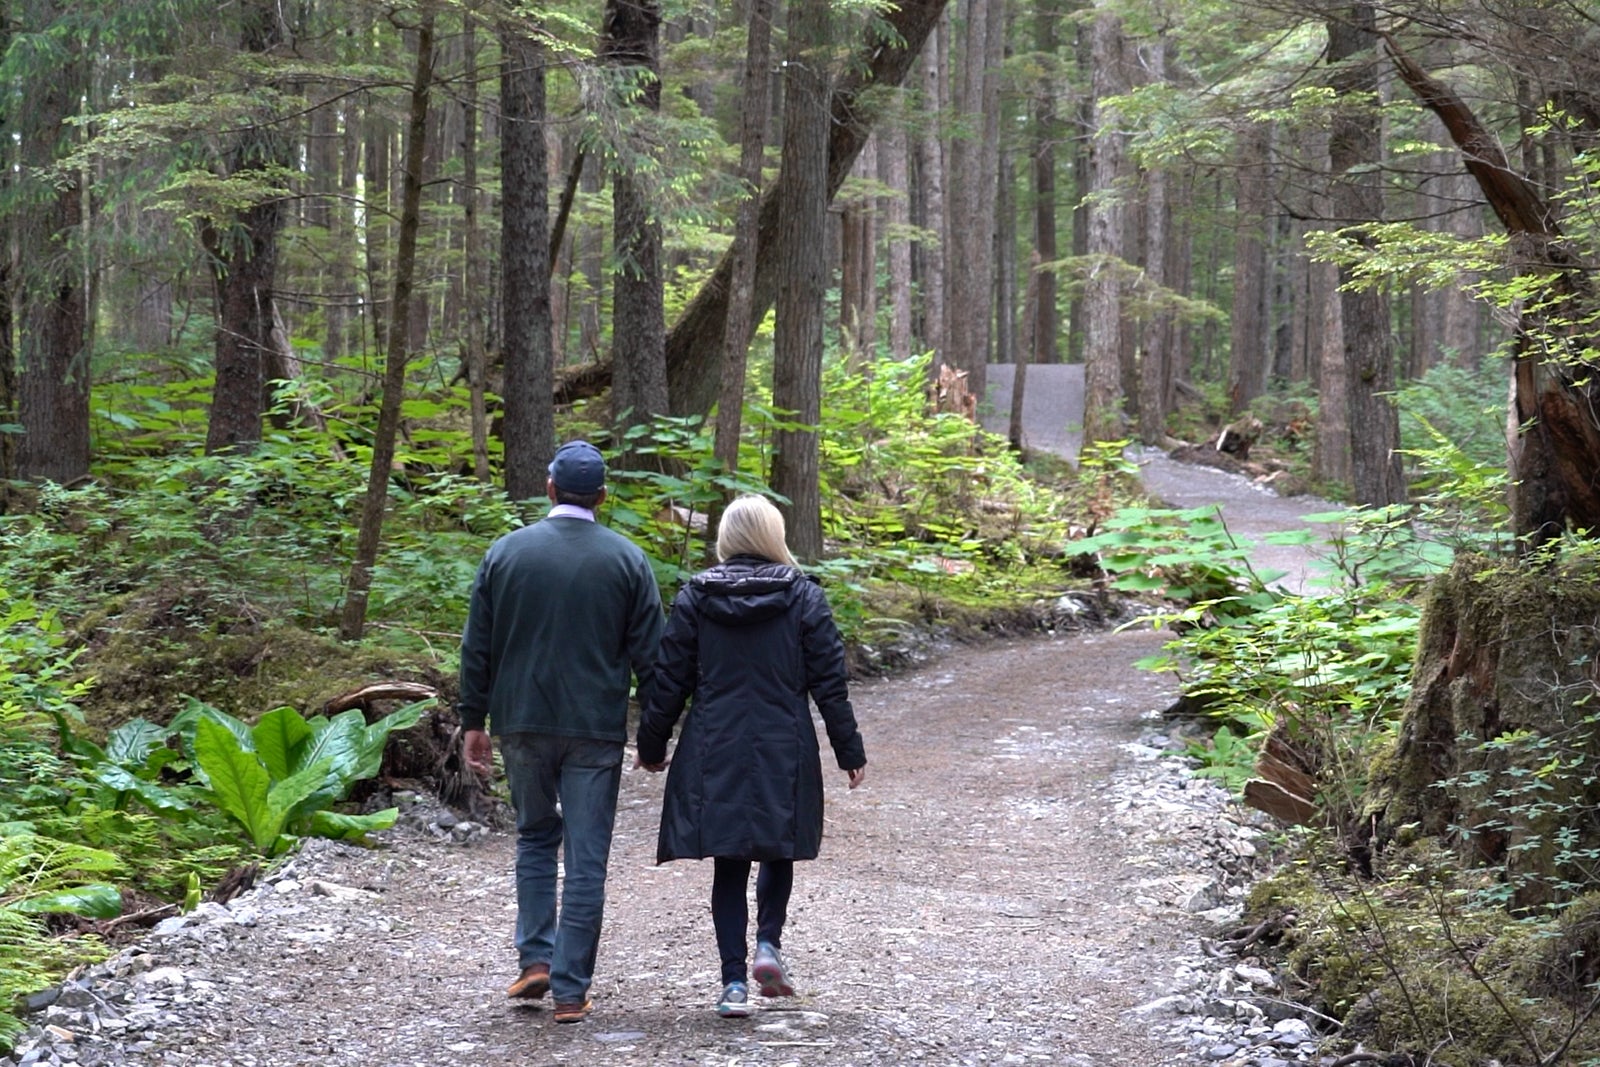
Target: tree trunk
[472, 248]
[631, 43]
[893, 172]
[974, 165]
[1330, 460]
[1247, 353]
[695, 339]
[1047, 325]
[930, 174]
[754, 102]
[1026, 346]
[1082, 184]
[797, 348]
[1004, 297]
[352, 621]
[1356, 144]
[375, 182]
[244, 256]
[1155, 353]
[1102, 302]
[51, 387]
[529, 423]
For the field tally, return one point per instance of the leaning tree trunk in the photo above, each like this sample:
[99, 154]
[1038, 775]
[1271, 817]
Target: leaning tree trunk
[1554, 446]
[353, 619]
[736, 336]
[693, 343]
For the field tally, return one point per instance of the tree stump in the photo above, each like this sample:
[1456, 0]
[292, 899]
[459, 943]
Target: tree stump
[1498, 753]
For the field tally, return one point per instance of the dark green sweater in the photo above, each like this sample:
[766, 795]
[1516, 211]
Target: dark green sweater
[560, 612]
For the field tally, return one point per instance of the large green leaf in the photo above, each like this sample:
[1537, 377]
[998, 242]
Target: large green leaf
[278, 738]
[376, 736]
[94, 901]
[131, 743]
[238, 780]
[340, 741]
[351, 827]
[153, 795]
[285, 795]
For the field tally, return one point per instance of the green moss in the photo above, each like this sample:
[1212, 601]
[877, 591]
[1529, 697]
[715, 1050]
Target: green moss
[148, 651]
[1409, 963]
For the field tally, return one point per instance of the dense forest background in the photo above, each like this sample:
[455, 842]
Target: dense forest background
[299, 298]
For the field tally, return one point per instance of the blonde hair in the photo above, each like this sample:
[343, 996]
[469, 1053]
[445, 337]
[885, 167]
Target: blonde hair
[752, 526]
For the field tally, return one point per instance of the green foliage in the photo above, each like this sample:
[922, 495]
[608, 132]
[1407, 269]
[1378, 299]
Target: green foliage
[1453, 433]
[1329, 672]
[1187, 555]
[40, 876]
[276, 778]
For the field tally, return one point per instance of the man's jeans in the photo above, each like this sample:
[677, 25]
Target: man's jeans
[585, 776]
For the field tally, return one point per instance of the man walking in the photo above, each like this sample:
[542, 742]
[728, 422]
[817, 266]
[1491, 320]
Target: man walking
[560, 611]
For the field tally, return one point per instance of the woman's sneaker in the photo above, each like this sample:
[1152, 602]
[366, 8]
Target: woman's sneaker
[735, 1002]
[770, 973]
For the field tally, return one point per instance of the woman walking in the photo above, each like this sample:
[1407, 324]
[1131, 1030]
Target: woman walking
[749, 640]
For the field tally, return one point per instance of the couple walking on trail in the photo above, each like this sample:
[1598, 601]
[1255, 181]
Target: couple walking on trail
[561, 613]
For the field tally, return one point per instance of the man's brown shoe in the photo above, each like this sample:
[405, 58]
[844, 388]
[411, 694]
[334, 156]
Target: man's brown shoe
[531, 984]
[574, 1012]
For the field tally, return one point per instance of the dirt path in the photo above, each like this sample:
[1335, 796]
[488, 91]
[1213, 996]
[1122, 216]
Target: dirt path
[979, 901]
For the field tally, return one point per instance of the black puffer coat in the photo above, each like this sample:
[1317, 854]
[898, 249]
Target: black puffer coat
[748, 640]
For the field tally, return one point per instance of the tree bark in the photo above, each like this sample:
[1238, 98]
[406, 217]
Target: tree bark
[529, 424]
[352, 621]
[472, 249]
[1102, 302]
[754, 102]
[1155, 350]
[694, 339]
[1355, 148]
[244, 258]
[974, 165]
[893, 172]
[803, 192]
[1047, 348]
[930, 175]
[1082, 185]
[1247, 352]
[50, 388]
[631, 44]
[1026, 346]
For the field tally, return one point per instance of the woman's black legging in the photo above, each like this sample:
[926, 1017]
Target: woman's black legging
[730, 913]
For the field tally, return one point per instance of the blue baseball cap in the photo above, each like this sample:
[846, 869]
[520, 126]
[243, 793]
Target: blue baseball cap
[578, 468]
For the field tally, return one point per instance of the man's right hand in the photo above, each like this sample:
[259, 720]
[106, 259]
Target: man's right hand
[653, 768]
[477, 751]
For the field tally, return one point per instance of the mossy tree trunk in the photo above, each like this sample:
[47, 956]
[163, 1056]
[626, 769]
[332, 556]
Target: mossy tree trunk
[1498, 751]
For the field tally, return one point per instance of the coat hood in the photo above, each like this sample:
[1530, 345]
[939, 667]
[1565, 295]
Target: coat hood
[745, 590]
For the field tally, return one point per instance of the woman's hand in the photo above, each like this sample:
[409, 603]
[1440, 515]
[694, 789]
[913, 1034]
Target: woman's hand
[858, 775]
[653, 768]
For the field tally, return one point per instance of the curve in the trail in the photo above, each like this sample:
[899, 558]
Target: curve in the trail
[1052, 421]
